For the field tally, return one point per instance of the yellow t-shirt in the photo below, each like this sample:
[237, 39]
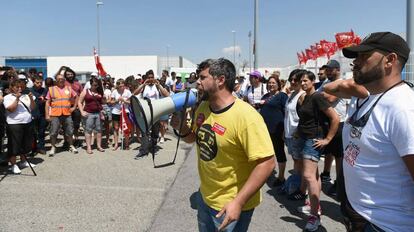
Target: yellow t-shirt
[229, 143]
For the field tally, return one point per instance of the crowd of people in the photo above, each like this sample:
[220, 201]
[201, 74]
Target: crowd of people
[62, 105]
[357, 122]
[242, 129]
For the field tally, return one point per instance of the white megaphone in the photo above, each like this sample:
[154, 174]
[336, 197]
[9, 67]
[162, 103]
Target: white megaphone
[146, 111]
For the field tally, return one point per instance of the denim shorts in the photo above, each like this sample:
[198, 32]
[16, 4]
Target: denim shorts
[207, 220]
[294, 147]
[308, 151]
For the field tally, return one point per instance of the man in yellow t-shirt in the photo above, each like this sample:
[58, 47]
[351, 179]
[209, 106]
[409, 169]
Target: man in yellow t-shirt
[235, 152]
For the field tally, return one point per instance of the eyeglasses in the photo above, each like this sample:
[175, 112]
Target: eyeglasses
[320, 74]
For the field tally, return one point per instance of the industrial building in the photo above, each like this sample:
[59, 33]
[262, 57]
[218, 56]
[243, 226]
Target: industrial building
[116, 66]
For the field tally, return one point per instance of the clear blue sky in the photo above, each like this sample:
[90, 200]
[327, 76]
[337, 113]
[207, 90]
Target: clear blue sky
[194, 29]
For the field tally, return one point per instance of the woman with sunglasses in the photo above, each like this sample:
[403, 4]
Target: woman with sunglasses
[120, 96]
[314, 112]
[90, 105]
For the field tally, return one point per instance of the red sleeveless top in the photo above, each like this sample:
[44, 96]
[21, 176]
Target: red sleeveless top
[93, 102]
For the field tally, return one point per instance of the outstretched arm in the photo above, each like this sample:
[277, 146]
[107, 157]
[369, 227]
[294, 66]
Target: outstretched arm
[346, 89]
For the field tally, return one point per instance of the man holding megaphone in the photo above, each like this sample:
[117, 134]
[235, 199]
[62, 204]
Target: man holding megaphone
[235, 152]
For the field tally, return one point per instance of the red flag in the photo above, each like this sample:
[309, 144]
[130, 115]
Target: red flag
[357, 40]
[309, 54]
[126, 126]
[99, 67]
[314, 51]
[305, 59]
[344, 39]
[299, 58]
[320, 50]
[329, 47]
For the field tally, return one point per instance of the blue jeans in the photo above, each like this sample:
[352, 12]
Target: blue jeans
[207, 221]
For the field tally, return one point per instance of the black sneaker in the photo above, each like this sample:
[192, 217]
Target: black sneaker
[297, 196]
[278, 182]
[332, 191]
[325, 177]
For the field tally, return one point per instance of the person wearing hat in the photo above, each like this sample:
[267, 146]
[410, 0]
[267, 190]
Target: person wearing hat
[378, 136]
[88, 83]
[178, 86]
[334, 150]
[256, 90]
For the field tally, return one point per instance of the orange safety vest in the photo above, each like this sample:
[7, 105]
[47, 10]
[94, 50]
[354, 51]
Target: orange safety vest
[60, 104]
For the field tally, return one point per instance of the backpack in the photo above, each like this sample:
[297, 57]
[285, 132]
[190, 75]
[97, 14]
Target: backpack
[292, 184]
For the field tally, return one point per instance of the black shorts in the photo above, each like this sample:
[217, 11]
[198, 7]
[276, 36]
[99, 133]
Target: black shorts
[117, 117]
[335, 147]
[19, 139]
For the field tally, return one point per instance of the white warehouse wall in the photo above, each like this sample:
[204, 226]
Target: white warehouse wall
[116, 66]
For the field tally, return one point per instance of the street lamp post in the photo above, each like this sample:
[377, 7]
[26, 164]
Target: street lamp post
[98, 3]
[256, 41]
[168, 56]
[250, 50]
[234, 47]
[409, 66]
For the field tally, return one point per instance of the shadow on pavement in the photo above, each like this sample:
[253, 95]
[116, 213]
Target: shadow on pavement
[329, 209]
[193, 200]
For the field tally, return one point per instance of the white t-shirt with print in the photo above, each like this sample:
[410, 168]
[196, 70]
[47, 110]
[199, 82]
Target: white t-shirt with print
[377, 181]
[115, 95]
[21, 115]
[150, 92]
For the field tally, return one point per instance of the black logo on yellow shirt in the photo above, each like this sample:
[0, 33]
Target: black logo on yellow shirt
[207, 143]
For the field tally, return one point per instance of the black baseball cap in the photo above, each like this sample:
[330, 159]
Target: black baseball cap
[333, 64]
[384, 41]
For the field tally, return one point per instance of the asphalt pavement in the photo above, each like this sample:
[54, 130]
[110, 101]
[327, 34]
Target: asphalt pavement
[112, 191]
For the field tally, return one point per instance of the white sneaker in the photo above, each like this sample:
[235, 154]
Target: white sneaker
[313, 223]
[25, 164]
[15, 169]
[162, 140]
[73, 149]
[52, 151]
[306, 209]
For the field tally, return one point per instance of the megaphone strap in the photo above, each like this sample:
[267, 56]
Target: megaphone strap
[179, 137]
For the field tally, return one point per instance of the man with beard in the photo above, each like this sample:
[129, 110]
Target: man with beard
[72, 82]
[378, 137]
[323, 78]
[38, 114]
[235, 152]
[334, 149]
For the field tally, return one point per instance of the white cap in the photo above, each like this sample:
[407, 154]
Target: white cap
[94, 74]
[22, 77]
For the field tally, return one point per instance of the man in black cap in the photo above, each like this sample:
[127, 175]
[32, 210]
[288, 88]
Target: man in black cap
[334, 150]
[378, 137]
